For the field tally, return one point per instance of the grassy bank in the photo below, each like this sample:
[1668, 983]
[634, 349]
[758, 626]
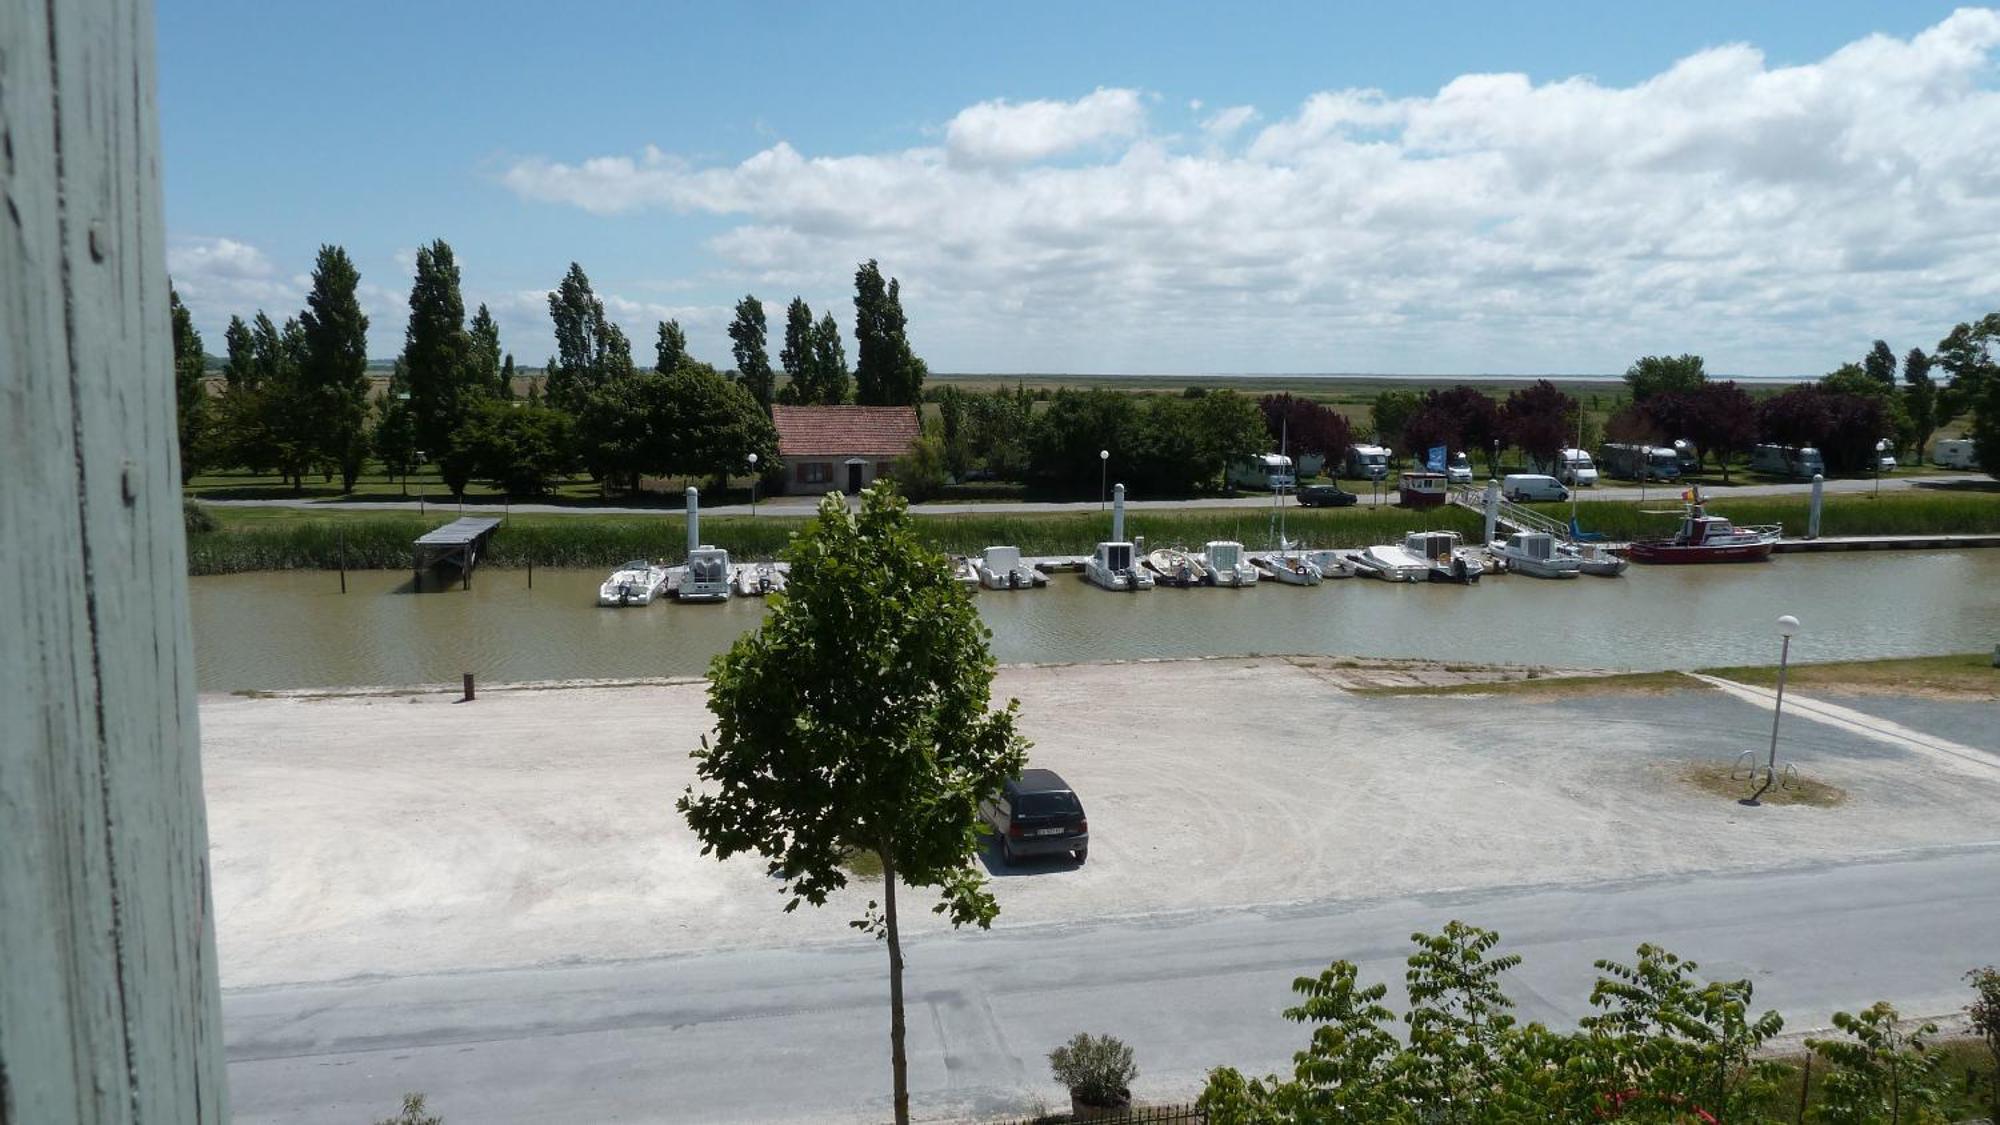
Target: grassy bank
[1964, 675]
[292, 538]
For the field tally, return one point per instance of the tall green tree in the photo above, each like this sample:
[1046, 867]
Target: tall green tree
[334, 365]
[886, 371]
[292, 413]
[671, 349]
[829, 362]
[190, 388]
[712, 426]
[590, 350]
[239, 368]
[747, 335]
[857, 719]
[797, 355]
[1391, 412]
[239, 431]
[1967, 353]
[1920, 399]
[1880, 364]
[437, 352]
[484, 332]
[521, 450]
[1661, 374]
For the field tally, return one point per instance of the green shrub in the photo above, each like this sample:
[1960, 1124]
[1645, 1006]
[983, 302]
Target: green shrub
[196, 518]
[1097, 1069]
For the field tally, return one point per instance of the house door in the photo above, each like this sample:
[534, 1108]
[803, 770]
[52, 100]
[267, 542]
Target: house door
[854, 477]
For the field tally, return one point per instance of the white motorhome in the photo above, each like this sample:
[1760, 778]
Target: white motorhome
[1271, 471]
[1370, 462]
[1574, 468]
[1783, 460]
[1639, 462]
[1955, 453]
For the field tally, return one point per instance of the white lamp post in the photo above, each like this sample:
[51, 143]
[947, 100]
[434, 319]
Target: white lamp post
[420, 483]
[1103, 474]
[1881, 447]
[753, 485]
[1788, 627]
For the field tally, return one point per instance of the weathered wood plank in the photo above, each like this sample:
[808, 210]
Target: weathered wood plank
[108, 1000]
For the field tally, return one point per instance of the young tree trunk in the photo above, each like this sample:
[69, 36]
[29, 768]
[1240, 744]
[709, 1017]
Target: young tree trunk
[899, 1063]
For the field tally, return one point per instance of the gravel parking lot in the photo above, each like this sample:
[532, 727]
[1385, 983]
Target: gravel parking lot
[366, 834]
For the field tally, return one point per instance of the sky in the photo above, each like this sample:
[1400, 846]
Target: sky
[1147, 188]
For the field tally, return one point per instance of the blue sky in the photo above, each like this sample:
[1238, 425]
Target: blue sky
[1117, 187]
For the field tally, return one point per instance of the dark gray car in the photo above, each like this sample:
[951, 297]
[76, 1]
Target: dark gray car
[1038, 814]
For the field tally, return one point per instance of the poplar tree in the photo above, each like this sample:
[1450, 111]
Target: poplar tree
[437, 351]
[333, 366]
[590, 350]
[746, 336]
[670, 351]
[798, 358]
[190, 395]
[485, 335]
[829, 362]
[886, 371]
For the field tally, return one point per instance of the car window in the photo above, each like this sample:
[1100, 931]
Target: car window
[1046, 804]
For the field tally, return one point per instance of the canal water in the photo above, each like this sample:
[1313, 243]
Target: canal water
[295, 629]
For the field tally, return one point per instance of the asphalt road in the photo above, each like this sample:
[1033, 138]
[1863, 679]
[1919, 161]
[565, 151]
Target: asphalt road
[801, 1033]
[804, 505]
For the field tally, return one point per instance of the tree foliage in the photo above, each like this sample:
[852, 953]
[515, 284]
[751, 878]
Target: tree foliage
[1844, 427]
[1306, 426]
[1920, 399]
[1660, 374]
[333, 365]
[437, 351]
[1880, 1074]
[1967, 354]
[857, 718]
[1880, 365]
[521, 450]
[190, 386]
[670, 348]
[747, 335]
[1540, 421]
[886, 371]
[830, 362]
[1719, 419]
[1390, 413]
[486, 371]
[590, 350]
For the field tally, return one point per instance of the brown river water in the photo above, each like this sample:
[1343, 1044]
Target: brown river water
[295, 629]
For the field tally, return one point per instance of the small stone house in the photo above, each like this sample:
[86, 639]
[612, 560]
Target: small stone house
[841, 448]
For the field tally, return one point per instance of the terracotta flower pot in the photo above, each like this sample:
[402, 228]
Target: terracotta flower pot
[1080, 1110]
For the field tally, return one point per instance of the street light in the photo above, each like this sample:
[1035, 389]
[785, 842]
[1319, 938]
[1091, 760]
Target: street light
[1788, 627]
[1103, 473]
[1881, 447]
[420, 483]
[753, 485]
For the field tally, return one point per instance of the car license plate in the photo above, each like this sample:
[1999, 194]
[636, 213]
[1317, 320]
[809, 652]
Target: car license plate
[1048, 831]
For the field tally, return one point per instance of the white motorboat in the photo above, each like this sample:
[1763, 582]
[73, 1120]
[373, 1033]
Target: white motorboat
[636, 583]
[1001, 568]
[754, 580]
[706, 576]
[1176, 567]
[1391, 562]
[1536, 553]
[1450, 560]
[1331, 563]
[1290, 568]
[1596, 559]
[1226, 564]
[1114, 567]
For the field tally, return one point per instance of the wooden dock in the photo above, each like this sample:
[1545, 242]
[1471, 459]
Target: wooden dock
[456, 544]
[1884, 543]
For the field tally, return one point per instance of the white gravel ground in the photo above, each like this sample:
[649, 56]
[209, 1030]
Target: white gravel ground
[390, 834]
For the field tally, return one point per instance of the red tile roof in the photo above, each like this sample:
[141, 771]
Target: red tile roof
[845, 431]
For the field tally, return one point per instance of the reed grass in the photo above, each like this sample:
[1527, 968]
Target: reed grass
[292, 539]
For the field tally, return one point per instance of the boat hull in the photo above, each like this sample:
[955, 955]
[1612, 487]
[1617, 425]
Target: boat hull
[1670, 554]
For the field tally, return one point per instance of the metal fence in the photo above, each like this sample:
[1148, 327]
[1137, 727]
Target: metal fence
[1137, 1115]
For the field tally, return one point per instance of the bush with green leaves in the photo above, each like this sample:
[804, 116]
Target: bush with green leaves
[413, 1113]
[1097, 1069]
[1882, 1074]
[1984, 1012]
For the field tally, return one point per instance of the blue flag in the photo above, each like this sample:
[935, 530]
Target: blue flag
[1434, 460]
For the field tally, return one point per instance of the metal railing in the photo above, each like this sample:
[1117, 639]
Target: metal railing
[1515, 516]
[1137, 1115]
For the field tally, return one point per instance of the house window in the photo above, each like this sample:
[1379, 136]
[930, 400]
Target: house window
[815, 472]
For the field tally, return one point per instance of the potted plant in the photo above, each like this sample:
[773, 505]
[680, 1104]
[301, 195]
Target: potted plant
[1098, 1070]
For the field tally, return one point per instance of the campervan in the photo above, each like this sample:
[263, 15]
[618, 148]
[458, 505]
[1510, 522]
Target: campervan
[1574, 468]
[1271, 471]
[1955, 453]
[1368, 461]
[1639, 462]
[1785, 461]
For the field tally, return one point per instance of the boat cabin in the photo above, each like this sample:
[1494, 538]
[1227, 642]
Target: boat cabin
[1432, 545]
[1222, 554]
[706, 578]
[1114, 557]
[1422, 489]
[1537, 545]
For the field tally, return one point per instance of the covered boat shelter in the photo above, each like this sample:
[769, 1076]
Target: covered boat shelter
[456, 544]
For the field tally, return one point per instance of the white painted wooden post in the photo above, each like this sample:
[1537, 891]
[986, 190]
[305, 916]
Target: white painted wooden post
[108, 1000]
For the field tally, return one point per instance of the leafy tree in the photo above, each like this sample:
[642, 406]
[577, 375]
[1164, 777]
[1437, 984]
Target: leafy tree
[334, 364]
[1967, 353]
[829, 362]
[486, 371]
[1880, 364]
[1391, 412]
[1427, 429]
[1721, 421]
[394, 438]
[1843, 426]
[190, 389]
[797, 356]
[507, 376]
[954, 438]
[438, 352]
[1672, 1039]
[753, 366]
[1097, 1069]
[1658, 374]
[1471, 421]
[521, 450]
[710, 426]
[1162, 448]
[1228, 428]
[922, 472]
[1853, 379]
[590, 350]
[1879, 1075]
[624, 430]
[1795, 417]
[240, 369]
[1920, 399]
[414, 1113]
[1984, 1012]
[1458, 1019]
[1306, 426]
[1540, 421]
[239, 433]
[671, 349]
[886, 371]
[1067, 437]
[1000, 427]
[856, 719]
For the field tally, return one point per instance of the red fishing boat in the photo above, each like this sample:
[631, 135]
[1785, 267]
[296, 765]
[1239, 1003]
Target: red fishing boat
[1422, 489]
[1703, 538]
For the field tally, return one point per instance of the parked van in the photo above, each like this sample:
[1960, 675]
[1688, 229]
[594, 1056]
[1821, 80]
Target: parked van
[1782, 460]
[1574, 468]
[1955, 453]
[1458, 470]
[1370, 462]
[1686, 456]
[1271, 471]
[1639, 462]
[1526, 487]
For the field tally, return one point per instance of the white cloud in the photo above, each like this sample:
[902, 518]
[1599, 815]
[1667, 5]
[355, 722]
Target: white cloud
[1226, 123]
[1006, 132]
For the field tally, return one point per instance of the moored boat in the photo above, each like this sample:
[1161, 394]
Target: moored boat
[1703, 538]
[1113, 567]
[1596, 559]
[1226, 565]
[1290, 568]
[1536, 553]
[755, 580]
[1449, 559]
[1177, 567]
[1001, 568]
[636, 583]
[1391, 563]
[706, 576]
[1420, 489]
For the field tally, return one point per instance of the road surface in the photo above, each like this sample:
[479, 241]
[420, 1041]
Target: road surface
[804, 505]
[794, 1034]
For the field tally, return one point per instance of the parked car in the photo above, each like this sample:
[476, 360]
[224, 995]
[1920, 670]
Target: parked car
[1326, 496]
[1458, 470]
[1038, 814]
[1524, 487]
